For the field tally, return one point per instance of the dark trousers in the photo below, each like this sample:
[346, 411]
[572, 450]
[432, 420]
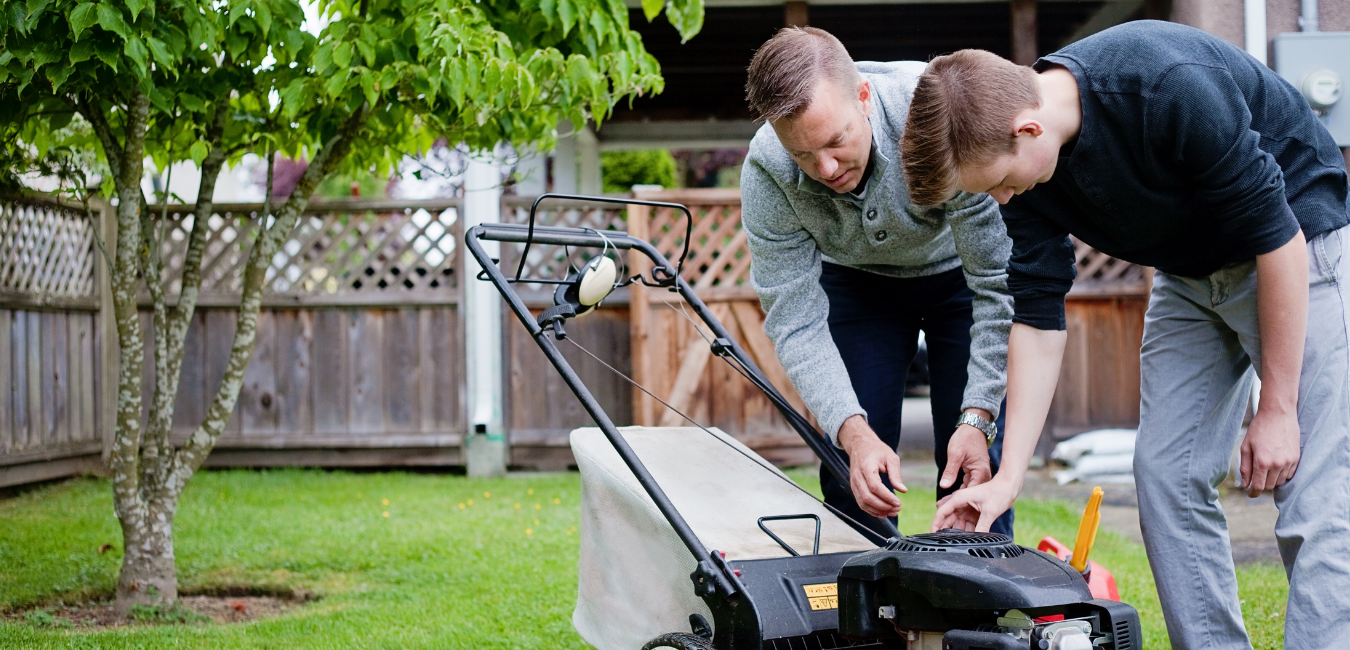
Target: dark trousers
[875, 322]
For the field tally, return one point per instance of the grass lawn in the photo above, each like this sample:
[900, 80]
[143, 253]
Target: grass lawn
[455, 562]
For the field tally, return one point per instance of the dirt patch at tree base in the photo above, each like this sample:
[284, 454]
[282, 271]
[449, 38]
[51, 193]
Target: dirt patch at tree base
[220, 606]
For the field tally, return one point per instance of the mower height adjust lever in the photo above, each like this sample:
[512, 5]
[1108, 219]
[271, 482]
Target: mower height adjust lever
[713, 575]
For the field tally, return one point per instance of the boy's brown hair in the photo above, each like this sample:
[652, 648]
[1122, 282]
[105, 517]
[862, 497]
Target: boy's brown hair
[962, 114]
[784, 71]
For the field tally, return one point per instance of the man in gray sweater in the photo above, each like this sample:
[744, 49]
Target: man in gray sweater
[849, 271]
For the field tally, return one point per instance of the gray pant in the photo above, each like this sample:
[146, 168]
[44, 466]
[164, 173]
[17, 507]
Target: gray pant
[1201, 340]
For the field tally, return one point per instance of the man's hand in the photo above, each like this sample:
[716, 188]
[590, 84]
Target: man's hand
[1270, 452]
[868, 457]
[967, 450]
[975, 508]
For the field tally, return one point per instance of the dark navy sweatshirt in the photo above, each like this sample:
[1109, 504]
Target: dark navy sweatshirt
[1192, 156]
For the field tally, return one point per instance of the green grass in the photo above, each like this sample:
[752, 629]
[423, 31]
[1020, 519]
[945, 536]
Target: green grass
[430, 575]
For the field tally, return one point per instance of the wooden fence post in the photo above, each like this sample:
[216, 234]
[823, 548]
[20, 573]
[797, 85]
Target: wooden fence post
[639, 318]
[105, 388]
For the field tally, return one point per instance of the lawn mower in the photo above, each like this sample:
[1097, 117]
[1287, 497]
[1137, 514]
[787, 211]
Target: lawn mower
[692, 541]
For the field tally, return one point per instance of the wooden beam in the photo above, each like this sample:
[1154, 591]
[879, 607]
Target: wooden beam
[795, 13]
[759, 346]
[639, 315]
[1024, 49]
[691, 372]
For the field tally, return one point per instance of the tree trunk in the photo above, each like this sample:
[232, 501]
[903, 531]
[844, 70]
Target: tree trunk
[149, 575]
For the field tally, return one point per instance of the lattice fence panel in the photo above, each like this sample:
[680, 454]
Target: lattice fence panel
[1098, 269]
[46, 250]
[719, 255]
[556, 262]
[332, 253]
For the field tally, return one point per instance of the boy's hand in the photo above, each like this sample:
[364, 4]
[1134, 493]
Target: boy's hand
[975, 508]
[1270, 452]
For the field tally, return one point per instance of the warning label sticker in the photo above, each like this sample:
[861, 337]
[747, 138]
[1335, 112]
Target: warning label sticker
[822, 596]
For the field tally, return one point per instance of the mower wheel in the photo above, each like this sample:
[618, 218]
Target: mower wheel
[679, 641]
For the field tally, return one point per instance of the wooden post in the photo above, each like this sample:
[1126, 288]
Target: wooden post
[639, 318]
[1024, 51]
[794, 13]
[105, 388]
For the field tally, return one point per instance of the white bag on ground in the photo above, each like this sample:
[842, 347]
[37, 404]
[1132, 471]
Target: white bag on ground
[634, 571]
[1101, 441]
[1102, 456]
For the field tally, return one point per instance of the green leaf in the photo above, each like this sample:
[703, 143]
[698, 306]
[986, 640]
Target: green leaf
[323, 57]
[336, 84]
[568, 15]
[549, 9]
[82, 18]
[160, 52]
[197, 152]
[57, 74]
[110, 18]
[106, 51]
[368, 87]
[455, 81]
[342, 54]
[191, 102]
[263, 15]
[81, 52]
[367, 52]
[652, 8]
[135, 50]
[135, 7]
[293, 94]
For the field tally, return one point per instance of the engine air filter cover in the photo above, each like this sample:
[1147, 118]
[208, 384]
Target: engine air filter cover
[985, 545]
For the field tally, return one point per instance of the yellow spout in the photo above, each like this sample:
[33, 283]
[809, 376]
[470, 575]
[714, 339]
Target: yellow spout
[1087, 531]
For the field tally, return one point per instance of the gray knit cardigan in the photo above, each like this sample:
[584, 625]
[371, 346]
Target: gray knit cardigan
[794, 222]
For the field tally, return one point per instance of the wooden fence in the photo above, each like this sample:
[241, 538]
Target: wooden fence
[359, 357]
[53, 414]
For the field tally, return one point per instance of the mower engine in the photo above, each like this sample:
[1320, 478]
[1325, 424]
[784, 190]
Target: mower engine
[955, 590]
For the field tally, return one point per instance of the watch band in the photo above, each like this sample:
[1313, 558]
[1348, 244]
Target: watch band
[985, 426]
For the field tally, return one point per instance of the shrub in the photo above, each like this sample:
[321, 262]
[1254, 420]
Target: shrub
[621, 170]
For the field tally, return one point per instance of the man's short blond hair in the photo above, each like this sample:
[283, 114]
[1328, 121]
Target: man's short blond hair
[785, 69]
[962, 114]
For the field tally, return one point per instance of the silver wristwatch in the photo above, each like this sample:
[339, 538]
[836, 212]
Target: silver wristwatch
[990, 431]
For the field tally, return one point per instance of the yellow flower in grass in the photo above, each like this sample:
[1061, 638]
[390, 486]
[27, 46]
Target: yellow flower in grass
[517, 506]
[537, 506]
[386, 514]
[529, 491]
[529, 531]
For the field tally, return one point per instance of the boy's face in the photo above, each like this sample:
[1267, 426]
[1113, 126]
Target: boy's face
[1033, 161]
[831, 140]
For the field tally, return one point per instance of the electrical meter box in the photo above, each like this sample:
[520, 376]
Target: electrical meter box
[1318, 65]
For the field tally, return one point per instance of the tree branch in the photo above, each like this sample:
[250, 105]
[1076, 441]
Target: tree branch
[200, 443]
[180, 319]
[129, 505]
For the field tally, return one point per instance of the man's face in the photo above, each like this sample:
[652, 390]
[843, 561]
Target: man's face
[831, 140]
[1032, 161]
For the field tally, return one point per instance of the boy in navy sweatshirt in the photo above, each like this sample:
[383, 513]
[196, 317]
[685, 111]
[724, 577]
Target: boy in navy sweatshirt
[1165, 146]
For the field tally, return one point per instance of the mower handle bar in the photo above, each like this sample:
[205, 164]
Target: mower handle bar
[709, 567]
